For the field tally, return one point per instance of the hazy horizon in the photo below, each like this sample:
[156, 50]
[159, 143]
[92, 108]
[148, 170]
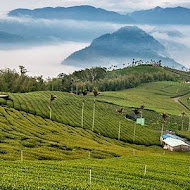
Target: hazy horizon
[47, 57]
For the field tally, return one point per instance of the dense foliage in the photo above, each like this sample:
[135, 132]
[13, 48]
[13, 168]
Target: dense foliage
[104, 79]
[114, 80]
[12, 81]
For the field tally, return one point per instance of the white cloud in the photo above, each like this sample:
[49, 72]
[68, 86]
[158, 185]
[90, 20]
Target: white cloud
[41, 60]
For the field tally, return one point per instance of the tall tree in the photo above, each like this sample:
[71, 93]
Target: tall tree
[23, 70]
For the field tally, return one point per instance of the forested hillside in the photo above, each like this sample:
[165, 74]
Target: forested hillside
[105, 79]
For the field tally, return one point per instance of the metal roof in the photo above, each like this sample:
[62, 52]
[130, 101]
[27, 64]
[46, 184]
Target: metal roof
[175, 137]
[174, 142]
[165, 136]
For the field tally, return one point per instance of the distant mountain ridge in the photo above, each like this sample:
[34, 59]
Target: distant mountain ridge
[83, 12]
[158, 15]
[119, 47]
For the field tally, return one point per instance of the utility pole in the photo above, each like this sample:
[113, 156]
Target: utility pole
[134, 133]
[93, 116]
[52, 98]
[162, 130]
[96, 93]
[82, 117]
[119, 130]
[21, 156]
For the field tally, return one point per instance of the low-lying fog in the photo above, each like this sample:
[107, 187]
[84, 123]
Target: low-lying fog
[44, 49]
[41, 60]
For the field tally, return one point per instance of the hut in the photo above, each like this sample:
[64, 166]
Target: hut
[174, 144]
[132, 117]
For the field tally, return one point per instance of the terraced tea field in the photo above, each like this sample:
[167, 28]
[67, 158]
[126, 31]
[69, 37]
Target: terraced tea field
[59, 153]
[169, 171]
[156, 96]
[66, 109]
[43, 139]
[185, 100]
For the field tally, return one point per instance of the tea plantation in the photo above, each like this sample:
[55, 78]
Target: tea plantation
[60, 153]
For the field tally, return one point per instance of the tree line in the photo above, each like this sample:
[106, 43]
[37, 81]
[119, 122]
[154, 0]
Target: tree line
[78, 81]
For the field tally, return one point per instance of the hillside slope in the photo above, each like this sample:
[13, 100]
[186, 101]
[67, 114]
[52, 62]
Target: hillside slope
[156, 96]
[43, 139]
[28, 128]
[67, 107]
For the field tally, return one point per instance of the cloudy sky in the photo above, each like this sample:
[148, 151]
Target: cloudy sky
[116, 5]
[48, 58]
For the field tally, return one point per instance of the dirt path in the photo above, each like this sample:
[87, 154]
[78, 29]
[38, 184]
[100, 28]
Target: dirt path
[176, 99]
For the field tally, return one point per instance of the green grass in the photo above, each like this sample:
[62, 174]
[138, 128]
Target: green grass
[156, 96]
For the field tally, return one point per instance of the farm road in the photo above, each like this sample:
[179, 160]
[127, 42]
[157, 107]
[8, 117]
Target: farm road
[176, 99]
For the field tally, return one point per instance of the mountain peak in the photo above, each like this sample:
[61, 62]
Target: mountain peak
[158, 8]
[118, 47]
[127, 36]
[128, 28]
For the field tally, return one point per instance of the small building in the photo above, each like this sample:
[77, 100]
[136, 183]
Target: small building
[174, 144]
[139, 120]
[132, 117]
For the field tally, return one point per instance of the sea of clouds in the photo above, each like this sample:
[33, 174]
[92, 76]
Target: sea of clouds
[49, 42]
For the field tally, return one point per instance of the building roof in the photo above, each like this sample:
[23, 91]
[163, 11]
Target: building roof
[175, 137]
[165, 136]
[174, 142]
